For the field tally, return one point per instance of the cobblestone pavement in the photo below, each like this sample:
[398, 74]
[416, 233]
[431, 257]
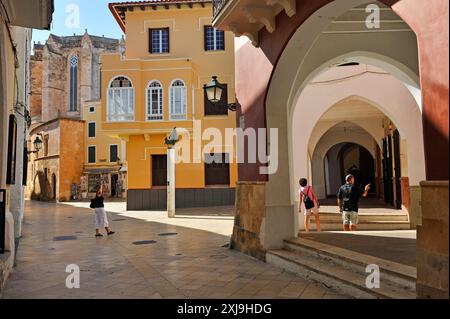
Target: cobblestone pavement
[187, 260]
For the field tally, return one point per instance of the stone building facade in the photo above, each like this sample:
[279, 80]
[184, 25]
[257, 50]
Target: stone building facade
[65, 73]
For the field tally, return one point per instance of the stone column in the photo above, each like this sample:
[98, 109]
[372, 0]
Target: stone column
[433, 242]
[171, 187]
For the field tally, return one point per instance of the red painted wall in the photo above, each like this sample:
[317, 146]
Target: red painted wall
[429, 20]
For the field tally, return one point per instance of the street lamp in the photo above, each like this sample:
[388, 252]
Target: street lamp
[214, 90]
[37, 145]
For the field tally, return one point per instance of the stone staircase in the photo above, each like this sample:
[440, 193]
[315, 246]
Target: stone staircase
[344, 270]
[367, 221]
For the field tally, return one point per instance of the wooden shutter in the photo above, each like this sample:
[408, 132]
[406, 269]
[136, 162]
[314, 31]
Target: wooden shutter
[168, 39]
[150, 41]
[205, 37]
[12, 151]
[25, 167]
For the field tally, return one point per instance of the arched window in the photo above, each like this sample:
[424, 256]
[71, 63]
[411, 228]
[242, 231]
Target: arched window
[121, 100]
[73, 83]
[178, 100]
[155, 110]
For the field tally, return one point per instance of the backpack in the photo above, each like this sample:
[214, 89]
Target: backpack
[347, 206]
[309, 203]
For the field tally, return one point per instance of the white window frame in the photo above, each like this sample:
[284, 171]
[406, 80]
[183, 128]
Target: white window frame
[150, 117]
[95, 129]
[95, 148]
[117, 145]
[129, 117]
[174, 116]
[90, 108]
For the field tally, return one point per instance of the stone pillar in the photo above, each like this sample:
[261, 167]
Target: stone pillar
[258, 226]
[171, 187]
[249, 215]
[433, 242]
[415, 208]
[406, 200]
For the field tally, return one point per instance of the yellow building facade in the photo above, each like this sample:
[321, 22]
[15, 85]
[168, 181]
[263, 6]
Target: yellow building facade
[157, 85]
[103, 156]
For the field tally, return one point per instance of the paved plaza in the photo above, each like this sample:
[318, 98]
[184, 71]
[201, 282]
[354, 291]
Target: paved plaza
[150, 256]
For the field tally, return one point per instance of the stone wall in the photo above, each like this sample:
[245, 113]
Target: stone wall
[36, 83]
[45, 163]
[433, 242]
[52, 60]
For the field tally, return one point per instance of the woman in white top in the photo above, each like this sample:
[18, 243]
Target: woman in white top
[308, 199]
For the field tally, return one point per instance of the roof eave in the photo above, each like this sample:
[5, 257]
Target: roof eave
[116, 16]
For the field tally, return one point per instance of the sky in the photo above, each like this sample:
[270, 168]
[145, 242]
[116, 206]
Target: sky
[74, 16]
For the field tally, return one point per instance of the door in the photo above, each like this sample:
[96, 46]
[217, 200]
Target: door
[114, 179]
[398, 171]
[159, 170]
[217, 172]
[54, 187]
[388, 171]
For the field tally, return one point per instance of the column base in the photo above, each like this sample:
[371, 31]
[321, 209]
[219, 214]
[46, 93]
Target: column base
[433, 242]
[258, 227]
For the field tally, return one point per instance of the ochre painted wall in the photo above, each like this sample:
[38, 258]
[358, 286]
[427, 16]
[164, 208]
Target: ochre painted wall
[72, 156]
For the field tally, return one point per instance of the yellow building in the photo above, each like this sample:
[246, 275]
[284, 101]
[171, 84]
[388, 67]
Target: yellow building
[104, 154]
[156, 85]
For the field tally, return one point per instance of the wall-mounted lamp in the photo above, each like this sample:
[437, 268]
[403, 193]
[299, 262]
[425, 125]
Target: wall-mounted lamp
[214, 91]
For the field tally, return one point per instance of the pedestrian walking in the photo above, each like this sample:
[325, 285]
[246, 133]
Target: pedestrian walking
[100, 218]
[348, 202]
[308, 200]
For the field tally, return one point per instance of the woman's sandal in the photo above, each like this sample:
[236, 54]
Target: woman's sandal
[111, 233]
[98, 235]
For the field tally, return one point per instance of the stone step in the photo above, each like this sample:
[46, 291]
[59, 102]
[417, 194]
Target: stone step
[364, 218]
[344, 270]
[372, 225]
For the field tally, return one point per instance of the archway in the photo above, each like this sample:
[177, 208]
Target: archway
[328, 48]
[272, 76]
[348, 158]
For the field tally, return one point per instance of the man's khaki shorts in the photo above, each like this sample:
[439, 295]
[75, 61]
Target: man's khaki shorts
[350, 218]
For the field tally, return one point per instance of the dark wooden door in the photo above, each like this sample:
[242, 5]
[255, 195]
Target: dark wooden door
[114, 179]
[159, 170]
[217, 172]
[388, 171]
[398, 171]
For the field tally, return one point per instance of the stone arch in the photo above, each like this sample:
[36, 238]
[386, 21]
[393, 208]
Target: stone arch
[311, 52]
[391, 98]
[327, 141]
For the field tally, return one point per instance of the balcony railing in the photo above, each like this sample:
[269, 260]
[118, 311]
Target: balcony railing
[218, 5]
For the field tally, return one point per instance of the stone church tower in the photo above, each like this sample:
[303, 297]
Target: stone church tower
[66, 72]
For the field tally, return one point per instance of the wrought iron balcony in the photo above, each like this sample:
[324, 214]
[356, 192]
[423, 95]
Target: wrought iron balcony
[218, 5]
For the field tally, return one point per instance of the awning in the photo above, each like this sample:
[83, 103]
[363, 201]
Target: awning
[101, 170]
